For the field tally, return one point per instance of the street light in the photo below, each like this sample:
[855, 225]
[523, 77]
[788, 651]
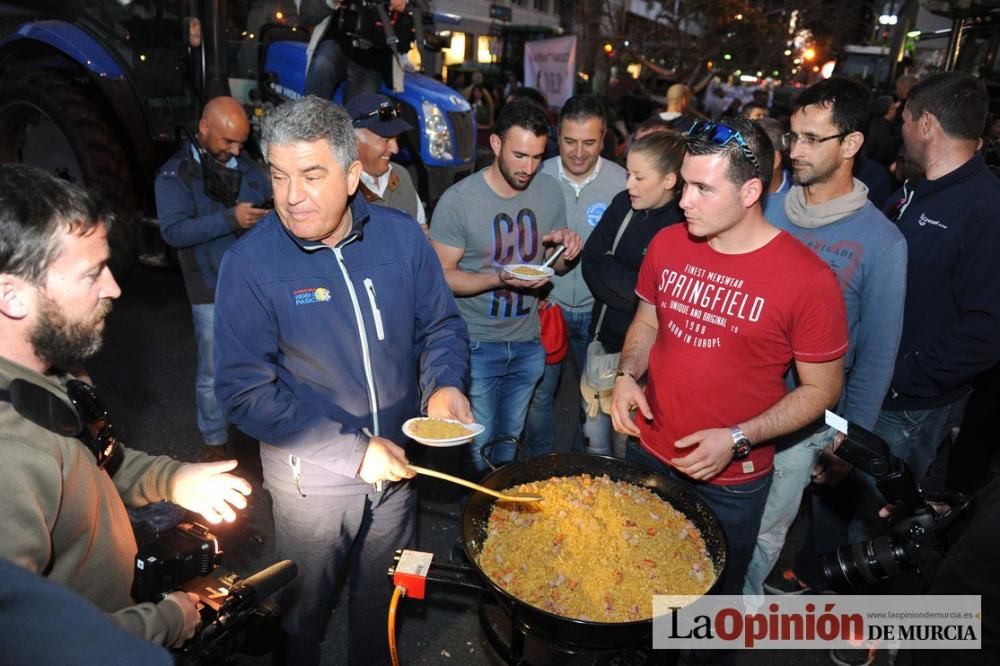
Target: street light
[809, 54]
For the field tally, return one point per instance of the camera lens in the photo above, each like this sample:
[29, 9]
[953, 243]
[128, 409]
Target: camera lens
[863, 563]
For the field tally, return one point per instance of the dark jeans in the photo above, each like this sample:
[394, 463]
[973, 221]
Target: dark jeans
[738, 508]
[330, 66]
[327, 537]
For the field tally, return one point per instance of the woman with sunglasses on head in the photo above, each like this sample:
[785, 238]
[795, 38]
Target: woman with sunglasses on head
[613, 255]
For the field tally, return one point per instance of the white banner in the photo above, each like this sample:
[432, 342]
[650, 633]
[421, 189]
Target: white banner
[550, 66]
[787, 622]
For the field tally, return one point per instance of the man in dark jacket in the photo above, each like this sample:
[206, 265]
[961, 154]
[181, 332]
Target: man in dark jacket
[334, 326]
[951, 322]
[206, 196]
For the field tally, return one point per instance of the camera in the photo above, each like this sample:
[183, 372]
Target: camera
[236, 613]
[921, 530]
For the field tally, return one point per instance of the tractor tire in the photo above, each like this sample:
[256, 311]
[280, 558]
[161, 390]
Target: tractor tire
[47, 121]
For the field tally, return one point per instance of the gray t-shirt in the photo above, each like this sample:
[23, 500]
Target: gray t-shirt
[494, 232]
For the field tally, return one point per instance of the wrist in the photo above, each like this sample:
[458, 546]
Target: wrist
[619, 373]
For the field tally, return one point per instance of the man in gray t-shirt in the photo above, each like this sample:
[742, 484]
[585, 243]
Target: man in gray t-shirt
[503, 215]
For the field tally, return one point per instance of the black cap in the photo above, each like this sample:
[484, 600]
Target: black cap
[377, 113]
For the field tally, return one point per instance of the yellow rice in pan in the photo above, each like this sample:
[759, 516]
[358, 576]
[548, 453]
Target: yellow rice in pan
[594, 549]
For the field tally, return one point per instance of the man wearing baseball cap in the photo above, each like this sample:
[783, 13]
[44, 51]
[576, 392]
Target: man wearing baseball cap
[376, 123]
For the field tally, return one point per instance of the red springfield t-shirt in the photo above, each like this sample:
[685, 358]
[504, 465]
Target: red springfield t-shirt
[729, 329]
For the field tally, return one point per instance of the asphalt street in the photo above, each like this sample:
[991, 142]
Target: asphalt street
[145, 372]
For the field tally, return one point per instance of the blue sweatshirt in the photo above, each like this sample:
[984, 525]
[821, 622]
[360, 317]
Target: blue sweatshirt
[868, 254]
[199, 227]
[951, 325]
[315, 344]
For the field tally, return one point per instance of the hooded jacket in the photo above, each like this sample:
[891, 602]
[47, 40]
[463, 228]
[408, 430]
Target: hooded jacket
[951, 322]
[318, 346]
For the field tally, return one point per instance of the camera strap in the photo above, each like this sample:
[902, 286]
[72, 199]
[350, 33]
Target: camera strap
[47, 410]
[392, 41]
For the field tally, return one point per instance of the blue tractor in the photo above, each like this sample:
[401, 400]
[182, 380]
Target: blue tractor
[441, 147]
[96, 91]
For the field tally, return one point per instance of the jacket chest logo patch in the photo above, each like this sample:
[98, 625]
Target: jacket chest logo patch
[312, 295]
[924, 221]
[594, 213]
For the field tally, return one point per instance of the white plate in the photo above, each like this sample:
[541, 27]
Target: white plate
[473, 428]
[515, 270]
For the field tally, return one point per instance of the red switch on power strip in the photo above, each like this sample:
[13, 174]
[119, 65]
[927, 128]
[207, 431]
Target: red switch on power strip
[411, 572]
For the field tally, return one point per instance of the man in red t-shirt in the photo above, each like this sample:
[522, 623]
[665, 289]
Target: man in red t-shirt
[728, 304]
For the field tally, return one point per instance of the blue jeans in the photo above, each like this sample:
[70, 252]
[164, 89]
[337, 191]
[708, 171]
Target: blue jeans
[738, 507]
[329, 66]
[919, 437]
[211, 422]
[539, 431]
[330, 537]
[792, 473]
[504, 375]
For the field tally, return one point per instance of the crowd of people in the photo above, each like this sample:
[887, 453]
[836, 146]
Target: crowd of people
[729, 282]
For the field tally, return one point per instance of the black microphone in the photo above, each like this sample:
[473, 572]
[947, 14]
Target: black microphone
[243, 598]
[270, 580]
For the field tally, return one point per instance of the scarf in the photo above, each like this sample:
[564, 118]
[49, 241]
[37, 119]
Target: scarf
[813, 216]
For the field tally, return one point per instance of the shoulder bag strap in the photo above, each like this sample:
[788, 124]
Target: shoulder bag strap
[614, 246]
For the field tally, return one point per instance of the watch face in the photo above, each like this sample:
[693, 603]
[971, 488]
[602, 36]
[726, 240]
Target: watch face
[741, 449]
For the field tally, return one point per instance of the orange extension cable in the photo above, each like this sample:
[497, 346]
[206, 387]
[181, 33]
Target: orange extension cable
[397, 594]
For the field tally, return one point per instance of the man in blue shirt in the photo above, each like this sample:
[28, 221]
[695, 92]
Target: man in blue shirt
[828, 210]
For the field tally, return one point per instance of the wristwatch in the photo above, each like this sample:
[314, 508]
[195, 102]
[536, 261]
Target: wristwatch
[741, 443]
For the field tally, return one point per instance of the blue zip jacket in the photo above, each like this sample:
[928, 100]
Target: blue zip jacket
[951, 322]
[200, 228]
[315, 344]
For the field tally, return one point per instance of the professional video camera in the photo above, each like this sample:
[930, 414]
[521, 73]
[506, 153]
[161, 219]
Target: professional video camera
[922, 527]
[237, 614]
[365, 23]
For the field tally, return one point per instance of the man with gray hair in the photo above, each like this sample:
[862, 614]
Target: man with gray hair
[334, 325]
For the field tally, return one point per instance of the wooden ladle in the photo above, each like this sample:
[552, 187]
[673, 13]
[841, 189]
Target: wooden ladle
[475, 486]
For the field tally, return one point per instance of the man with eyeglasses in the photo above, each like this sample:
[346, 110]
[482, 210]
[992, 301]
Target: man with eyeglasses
[727, 303]
[828, 210]
[66, 479]
[377, 125]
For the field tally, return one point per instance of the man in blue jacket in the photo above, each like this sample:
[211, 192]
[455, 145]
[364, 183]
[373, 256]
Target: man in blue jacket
[206, 196]
[951, 321]
[334, 326]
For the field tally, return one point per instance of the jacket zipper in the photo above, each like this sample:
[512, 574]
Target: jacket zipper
[363, 337]
[376, 313]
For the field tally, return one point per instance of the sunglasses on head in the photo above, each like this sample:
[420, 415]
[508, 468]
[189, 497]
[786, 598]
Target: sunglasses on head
[385, 111]
[720, 135]
[97, 432]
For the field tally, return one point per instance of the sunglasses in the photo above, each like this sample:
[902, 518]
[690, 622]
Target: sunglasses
[97, 432]
[720, 135]
[385, 111]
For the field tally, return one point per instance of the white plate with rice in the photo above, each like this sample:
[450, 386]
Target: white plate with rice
[440, 432]
[530, 272]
